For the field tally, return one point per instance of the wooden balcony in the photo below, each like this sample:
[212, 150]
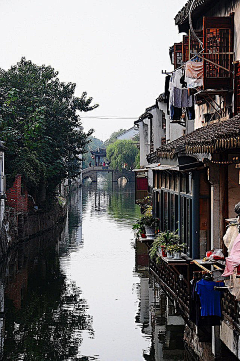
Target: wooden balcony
[174, 277]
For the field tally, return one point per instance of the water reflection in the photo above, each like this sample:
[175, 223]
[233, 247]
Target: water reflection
[84, 292]
[161, 321]
[44, 312]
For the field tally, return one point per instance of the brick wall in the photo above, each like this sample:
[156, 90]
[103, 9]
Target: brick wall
[16, 198]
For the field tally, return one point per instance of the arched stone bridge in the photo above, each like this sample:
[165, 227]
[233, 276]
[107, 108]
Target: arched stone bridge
[91, 172]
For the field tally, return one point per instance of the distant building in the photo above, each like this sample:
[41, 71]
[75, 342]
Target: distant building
[129, 134]
[98, 156]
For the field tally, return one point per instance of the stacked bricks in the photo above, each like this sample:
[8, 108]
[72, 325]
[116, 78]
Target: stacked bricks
[16, 198]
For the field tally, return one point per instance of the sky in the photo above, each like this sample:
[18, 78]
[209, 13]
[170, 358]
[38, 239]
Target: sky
[113, 50]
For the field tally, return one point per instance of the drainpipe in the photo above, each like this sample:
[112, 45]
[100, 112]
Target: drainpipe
[195, 217]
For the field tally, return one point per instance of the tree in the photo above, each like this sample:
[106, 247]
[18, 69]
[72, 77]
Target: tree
[40, 123]
[113, 136]
[122, 154]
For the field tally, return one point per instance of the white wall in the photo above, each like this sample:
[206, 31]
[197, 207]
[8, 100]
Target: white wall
[143, 135]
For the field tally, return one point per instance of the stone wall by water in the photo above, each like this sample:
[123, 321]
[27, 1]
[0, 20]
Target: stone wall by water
[17, 227]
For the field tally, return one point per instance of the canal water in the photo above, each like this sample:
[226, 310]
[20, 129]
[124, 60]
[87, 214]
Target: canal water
[83, 292]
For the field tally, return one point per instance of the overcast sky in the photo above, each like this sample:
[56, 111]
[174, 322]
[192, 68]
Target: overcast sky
[114, 50]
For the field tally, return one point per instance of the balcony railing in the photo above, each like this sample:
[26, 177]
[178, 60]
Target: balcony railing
[175, 281]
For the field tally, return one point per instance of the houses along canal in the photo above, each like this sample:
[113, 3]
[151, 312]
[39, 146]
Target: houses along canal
[80, 293]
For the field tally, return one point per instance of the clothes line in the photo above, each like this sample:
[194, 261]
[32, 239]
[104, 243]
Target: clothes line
[181, 66]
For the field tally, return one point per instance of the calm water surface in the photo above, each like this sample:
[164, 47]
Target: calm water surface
[78, 294]
[102, 265]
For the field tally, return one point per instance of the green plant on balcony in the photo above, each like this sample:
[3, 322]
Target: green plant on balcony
[177, 247]
[168, 238]
[149, 221]
[138, 227]
[164, 240]
[154, 250]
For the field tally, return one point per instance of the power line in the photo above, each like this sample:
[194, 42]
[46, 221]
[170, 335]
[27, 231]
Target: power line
[110, 117]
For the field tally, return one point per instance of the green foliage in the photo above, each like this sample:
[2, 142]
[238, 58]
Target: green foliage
[122, 154]
[179, 247]
[168, 238]
[113, 137]
[153, 253]
[40, 124]
[137, 161]
[138, 227]
[149, 220]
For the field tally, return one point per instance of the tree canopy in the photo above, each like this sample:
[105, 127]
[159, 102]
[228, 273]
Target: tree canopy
[122, 154]
[40, 124]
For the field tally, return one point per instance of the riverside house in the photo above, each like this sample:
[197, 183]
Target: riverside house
[190, 158]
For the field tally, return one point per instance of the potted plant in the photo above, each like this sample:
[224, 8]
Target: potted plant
[139, 229]
[170, 250]
[155, 251]
[149, 222]
[167, 239]
[177, 249]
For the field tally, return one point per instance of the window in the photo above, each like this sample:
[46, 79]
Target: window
[194, 45]
[218, 50]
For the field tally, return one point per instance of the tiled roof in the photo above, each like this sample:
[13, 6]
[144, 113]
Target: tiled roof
[143, 116]
[212, 138]
[182, 15]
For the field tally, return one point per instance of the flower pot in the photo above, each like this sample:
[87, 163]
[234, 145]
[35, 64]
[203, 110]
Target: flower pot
[143, 235]
[169, 255]
[164, 253]
[150, 231]
[177, 255]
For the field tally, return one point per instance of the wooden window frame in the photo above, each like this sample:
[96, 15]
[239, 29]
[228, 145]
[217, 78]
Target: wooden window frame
[217, 24]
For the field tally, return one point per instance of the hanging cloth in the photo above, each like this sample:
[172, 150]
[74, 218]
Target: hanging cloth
[209, 297]
[234, 259]
[194, 73]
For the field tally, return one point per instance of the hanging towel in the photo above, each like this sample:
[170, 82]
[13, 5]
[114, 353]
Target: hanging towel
[194, 74]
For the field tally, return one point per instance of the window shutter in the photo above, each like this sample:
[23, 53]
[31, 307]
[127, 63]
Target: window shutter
[218, 48]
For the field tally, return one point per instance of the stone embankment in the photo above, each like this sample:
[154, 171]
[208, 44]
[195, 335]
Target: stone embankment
[18, 227]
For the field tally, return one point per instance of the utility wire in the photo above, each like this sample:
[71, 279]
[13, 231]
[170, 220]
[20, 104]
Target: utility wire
[106, 117]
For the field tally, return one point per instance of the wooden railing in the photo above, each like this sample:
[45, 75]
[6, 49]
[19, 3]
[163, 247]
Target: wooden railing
[174, 283]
